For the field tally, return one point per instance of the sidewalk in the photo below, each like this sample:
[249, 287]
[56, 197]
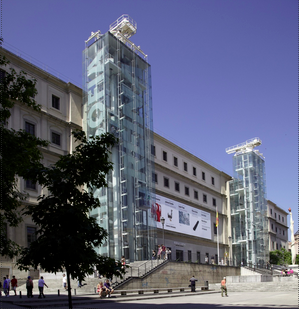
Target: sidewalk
[201, 300]
[88, 300]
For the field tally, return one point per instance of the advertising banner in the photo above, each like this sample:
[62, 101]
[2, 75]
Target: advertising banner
[181, 218]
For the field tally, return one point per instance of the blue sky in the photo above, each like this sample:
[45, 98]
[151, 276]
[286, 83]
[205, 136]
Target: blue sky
[223, 71]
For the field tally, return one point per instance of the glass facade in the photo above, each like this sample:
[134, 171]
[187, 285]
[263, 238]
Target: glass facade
[117, 99]
[249, 210]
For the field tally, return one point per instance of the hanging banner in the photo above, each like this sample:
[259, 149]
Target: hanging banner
[181, 218]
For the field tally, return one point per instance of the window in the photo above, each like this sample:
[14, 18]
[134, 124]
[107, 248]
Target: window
[189, 256]
[31, 235]
[275, 215]
[214, 202]
[283, 232]
[276, 229]
[155, 178]
[194, 171]
[272, 227]
[203, 176]
[175, 161]
[187, 191]
[215, 229]
[185, 167]
[153, 150]
[213, 181]
[271, 211]
[279, 217]
[55, 102]
[166, 182]
[165, 156]
[30, 128]
[29, 184]
[55, 138]
[177, 186]
[276, 246]
[204, 198]
[195, 194]
[282, 219]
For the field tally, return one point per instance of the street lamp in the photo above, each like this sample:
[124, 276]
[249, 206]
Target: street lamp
[163, 222]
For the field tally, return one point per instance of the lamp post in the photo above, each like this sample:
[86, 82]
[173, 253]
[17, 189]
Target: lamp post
[163, 222]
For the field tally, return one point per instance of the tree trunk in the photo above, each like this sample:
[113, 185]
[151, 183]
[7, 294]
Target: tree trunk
[69, 289]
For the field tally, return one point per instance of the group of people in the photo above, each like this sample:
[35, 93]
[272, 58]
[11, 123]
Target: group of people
[286, 272]
[9, 284]
[163, 253]
[105, 290]
[13, 283]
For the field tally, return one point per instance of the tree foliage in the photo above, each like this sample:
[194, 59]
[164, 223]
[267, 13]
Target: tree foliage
[66, 233]
[19, 150]
[282, 257]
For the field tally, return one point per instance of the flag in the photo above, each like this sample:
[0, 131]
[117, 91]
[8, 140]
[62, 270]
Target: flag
[217, 219]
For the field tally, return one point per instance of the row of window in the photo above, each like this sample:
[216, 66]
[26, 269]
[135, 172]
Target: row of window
[273, 246]
[275, 216]
[177, 188]
[55, 137]
[276, 230]
[185, 165]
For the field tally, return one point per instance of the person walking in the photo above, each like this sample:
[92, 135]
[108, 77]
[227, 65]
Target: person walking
[14, 284]
[5, 287]
[41, 284]
[29, 287]
[8, 284]
[64, 281]
[192, 280]
[223, 287]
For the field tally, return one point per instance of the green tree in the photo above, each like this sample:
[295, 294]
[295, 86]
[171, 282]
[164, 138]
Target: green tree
[282, 257]
[19, 150]
[66, 233]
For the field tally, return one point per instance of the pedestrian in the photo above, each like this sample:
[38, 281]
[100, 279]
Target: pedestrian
[5, 287]
[163, 252]
[206, 260]
[8, 283]
[14, 284]
[192, 285]
[108, 288]
[29, 287]
[159, 252]
[64, 281]
[101, 290]
[123, 262]
[154, 255]
[223, 286]
[168, 254]
[41, 284]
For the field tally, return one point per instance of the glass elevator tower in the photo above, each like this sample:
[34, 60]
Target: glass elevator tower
[249, 205]
[117, 99]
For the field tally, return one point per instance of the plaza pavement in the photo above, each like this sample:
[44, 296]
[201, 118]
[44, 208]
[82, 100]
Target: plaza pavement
[263, 295]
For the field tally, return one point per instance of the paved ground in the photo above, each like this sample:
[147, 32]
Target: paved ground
[235, 300]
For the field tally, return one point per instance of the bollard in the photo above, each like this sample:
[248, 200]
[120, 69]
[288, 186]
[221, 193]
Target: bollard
[207, 284]
[58, 292]
[20, 294]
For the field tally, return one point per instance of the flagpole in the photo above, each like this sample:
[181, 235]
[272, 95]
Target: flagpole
[217, 222]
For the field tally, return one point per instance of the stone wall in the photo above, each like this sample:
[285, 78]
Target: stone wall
[175, 274]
